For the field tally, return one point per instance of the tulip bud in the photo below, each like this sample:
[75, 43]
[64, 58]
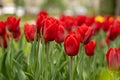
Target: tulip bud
[113, 58]
[30, 32]
[50, 29]
[90, 47]
[13, 23]
[85, 33]
[71, 44]
[60, 34]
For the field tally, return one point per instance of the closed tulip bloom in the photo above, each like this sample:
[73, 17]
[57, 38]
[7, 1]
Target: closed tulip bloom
[2, 28]
[30, 32]
[71, 44]
[17, 34]
[13, 23]
[90, 48]
[113, 58]
[40, 21]
[50, 29]
[60, 34]
[89, 20]
[113, 32]
[85, 33]
[69, 22]
[80, 19]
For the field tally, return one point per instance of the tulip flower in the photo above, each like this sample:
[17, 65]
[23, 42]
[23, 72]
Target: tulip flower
[113, 32]
[85, 33]
[50, 29]
[13, 23]
[113, 58]
[80, 19]
[30, 32]
[90, 47]
[97, 26]
[17, 35]
[69, 22]
[40, 21]
[71, 44]
[89, 20]
[2, 28]
[60, 34]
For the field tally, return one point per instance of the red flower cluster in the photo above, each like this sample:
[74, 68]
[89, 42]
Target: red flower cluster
[13, 25]
[9, 28]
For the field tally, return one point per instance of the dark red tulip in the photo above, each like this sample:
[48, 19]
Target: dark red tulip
[80, 19]
[106, 25]
[60, 34]
[113, 58]
[89, 20]
[85, 33]
[2, 28]
[69, 22]
[50, 29]
[71, 44]
[113, 32]
[13, 23]
[97, 26]
[90, 48]
[17, 35]
[30, 32]
[40, 21]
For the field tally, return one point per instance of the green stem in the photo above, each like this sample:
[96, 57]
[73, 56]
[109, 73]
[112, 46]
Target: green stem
[81, 66]
[70, 68]
[37, 61]
[47, 60]
[47, 52]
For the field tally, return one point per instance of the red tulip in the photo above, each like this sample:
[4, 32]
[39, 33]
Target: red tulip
[97, 26]
[71, 44]
[40, 22]
[2, 28]
[80, 19]
[69, 22]
[106, 25]
[89, 20]
[113, 32]
[30, 32]
[50, 29]
[13, 23]
[90, 47]
[85, 33]
[113, 58]
[17, 35]
[60, 34]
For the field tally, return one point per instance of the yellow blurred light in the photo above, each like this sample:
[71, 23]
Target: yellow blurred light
[99, 19]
